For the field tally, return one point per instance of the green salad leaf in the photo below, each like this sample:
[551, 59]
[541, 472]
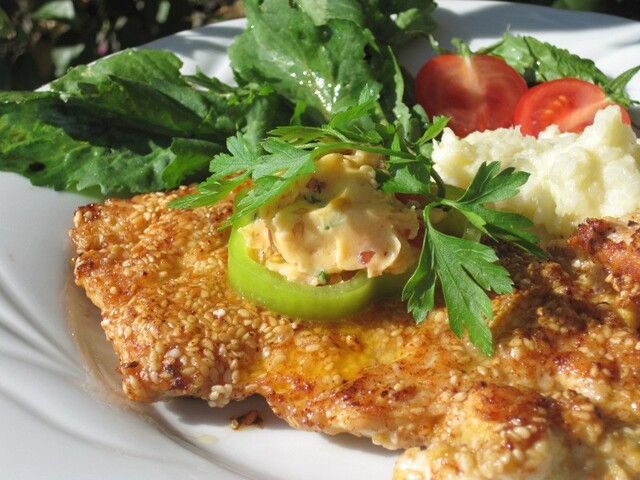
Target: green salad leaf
[539, 61]
[66, 147]
[392, 22]
[324, 67]
[146, 90]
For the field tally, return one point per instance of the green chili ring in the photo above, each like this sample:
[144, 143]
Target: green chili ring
[269, 289]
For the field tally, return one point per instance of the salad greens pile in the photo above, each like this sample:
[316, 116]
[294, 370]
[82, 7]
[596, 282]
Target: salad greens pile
[133, 123]
[311, 77]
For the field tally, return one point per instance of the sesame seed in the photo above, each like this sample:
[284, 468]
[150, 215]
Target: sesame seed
[173, 353]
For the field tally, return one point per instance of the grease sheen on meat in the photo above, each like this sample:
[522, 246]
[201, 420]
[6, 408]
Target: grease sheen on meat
[560, 398]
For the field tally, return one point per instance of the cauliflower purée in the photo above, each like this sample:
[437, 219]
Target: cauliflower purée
[573, 176]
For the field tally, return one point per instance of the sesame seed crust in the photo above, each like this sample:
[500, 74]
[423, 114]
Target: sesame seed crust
[560, 398]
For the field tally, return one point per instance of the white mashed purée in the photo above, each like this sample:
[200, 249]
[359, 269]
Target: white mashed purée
[573, 176]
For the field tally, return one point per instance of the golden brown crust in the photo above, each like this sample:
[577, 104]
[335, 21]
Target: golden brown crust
[559, 398]
[614, 244]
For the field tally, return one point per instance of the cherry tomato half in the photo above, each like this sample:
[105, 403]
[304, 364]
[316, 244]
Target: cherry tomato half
[570, 103]
[478, 92]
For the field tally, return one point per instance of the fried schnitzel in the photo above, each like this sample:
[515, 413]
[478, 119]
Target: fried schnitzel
[560, 398]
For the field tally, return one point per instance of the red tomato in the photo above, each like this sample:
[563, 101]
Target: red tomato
[478, 92]
[569, 103]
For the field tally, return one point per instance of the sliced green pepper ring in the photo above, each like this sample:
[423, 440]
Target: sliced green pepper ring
[269, 289]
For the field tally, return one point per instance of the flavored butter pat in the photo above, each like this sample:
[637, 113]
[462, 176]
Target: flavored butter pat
[337, 220]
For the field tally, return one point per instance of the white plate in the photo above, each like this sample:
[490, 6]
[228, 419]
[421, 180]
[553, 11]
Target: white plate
[62, 415]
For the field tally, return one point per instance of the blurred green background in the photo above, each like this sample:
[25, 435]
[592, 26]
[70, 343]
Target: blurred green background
[40, 39]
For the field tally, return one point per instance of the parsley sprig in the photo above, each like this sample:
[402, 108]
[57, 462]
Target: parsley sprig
[465, 270]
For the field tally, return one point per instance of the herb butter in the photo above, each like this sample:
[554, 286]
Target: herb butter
[336, 220]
